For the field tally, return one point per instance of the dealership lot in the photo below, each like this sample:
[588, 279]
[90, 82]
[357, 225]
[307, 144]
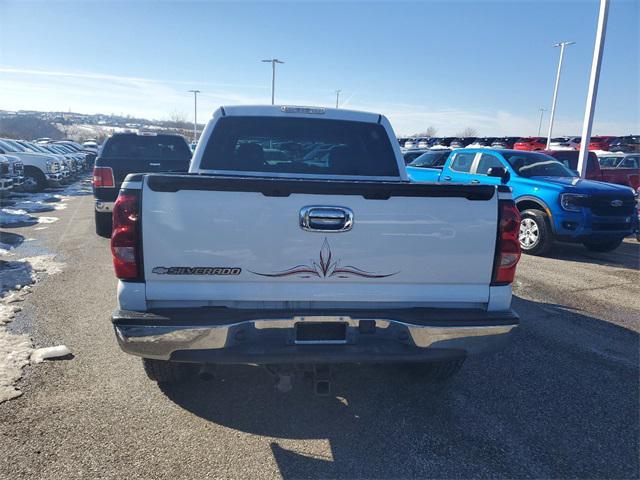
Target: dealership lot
[560, 401]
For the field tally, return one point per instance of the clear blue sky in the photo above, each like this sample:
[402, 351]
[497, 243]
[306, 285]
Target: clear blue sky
[487, 65]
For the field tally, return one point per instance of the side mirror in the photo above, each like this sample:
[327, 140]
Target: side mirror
[499, 172]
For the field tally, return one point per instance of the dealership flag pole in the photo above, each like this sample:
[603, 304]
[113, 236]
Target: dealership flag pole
[555, 90]
[598, 50]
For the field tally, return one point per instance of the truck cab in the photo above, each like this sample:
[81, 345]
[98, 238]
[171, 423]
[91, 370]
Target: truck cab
[554, 203]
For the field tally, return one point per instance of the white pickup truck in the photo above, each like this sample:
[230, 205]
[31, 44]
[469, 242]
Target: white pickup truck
[296, 238]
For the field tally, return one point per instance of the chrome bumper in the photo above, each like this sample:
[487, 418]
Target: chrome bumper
[273, 340]
[104, 207]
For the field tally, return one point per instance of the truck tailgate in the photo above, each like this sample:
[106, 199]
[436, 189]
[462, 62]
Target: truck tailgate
[208, 240]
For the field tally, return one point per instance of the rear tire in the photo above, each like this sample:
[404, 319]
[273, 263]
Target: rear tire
[34, 180]
[434, 377]
[103, 224]
[163, 371]
[535, 234]
[603, 246]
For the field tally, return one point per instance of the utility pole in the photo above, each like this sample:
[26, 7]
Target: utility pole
[598, 50]
[195, 114]
[338, 97]
[273, 62]
[541, 110]
[555, 90]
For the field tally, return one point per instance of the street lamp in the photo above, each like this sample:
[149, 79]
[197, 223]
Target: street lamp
[195, 114]
[555, 90]
[273, 62]
[541, 110]
[338, 97]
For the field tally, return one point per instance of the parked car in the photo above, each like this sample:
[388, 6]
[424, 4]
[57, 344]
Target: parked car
[626, 171]
[411, 155]
[531, 144]
[424, 143]
[442, 142]
[431, 159]
[505, 142]
[564, 143]
[553, 202]
[40, 170]
[125, 153]
[410, 143]
[13, 171]
[226, 275]
[91, 145]
[600, 143]
[6, 179]
[482, 142]
[461, 142]
[628, 144]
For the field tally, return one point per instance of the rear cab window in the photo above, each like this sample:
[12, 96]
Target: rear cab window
[304, 145]
[151, 147]
[462, 162]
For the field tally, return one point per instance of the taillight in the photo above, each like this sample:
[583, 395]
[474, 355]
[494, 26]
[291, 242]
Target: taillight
[125, 236]
[508, 244]
[103, 177]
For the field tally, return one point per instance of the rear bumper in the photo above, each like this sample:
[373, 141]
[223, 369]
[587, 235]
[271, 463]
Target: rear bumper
[224, 335]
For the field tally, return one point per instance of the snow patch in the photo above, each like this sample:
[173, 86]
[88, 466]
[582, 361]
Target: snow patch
[15, 351]
[15, 218]
[47, 219]
[16, 278]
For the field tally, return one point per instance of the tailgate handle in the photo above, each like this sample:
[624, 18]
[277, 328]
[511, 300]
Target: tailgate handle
[154, 164]
[326, 219]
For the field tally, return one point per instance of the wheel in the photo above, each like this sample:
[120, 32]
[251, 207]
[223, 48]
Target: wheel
[162, 371]
[34, 180]
[103, 224]
[605, 246]
[535, 235]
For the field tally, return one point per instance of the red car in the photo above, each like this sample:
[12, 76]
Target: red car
[628, 174]
[600, 143]
[531, 143]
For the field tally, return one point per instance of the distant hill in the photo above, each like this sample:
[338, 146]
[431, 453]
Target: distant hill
[80, 127]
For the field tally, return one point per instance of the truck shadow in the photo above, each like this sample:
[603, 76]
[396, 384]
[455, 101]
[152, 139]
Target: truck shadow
[626, 255]
[550, 405]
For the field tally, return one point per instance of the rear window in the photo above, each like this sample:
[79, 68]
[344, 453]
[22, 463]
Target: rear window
[430, 159]
[156, 147]
[304, 145]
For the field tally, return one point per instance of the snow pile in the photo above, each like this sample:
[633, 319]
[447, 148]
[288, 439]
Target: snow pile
[16, 218]
[15, 351]
[41, 354]
[16, 278]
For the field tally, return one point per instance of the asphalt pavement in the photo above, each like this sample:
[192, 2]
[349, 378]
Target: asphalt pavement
[561, 401]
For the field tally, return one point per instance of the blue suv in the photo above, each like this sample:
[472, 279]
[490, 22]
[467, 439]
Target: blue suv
[554, 202]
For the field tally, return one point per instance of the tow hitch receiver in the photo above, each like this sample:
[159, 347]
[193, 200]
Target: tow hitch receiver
[318, 374]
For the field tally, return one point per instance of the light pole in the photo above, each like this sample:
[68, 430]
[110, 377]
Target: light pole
[338, 97]
[273, 62]
[195, 114]
[555, 90]
[593, 87]
[542, 110]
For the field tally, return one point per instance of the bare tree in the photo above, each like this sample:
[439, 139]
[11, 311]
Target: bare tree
[467, 132]
[431, 131]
